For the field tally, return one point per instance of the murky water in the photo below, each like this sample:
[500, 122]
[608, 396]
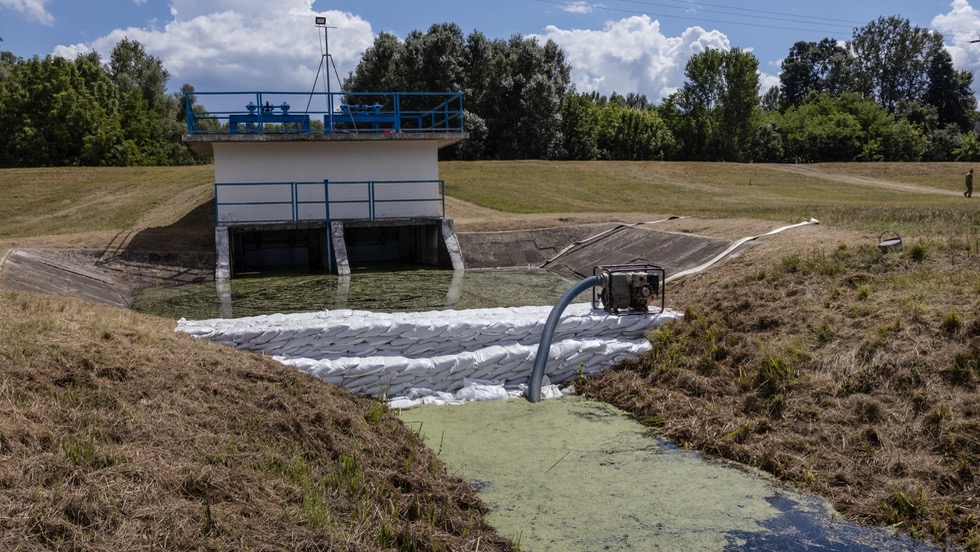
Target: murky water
[577, 475]
[374, 290]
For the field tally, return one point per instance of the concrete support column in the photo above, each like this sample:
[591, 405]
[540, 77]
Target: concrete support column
[339, 248]
[452, 244]
[222, 245]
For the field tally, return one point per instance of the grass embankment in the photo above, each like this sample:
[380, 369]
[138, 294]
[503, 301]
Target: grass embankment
[84, 207]
[118, 434]
[848, 372]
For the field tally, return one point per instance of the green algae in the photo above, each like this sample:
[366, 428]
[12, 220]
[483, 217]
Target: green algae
[573, 474]
[578, 475]
[374, 290]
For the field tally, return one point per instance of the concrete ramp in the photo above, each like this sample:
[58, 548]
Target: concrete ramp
[58, 272]
[573, 251]
[630, 244]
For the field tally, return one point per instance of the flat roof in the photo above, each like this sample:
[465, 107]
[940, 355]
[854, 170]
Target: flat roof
[201, 145]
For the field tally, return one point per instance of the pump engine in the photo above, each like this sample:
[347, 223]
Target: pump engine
[633, 288]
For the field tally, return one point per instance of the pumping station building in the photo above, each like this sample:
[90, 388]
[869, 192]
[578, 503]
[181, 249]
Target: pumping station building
[324, 180]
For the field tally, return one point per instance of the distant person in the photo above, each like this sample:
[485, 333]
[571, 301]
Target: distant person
[969, 184]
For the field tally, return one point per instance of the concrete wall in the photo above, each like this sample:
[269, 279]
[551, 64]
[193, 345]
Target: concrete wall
[309, 164]
[316, 161]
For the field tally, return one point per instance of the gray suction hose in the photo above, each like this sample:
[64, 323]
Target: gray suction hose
[541, 358]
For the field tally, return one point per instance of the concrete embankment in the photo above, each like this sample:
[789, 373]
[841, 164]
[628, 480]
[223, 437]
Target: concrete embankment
[90, 274]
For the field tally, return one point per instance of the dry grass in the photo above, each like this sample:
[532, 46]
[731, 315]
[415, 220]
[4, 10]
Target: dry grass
[850, 373]
[118, 434]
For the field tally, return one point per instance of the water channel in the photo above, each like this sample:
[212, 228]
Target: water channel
[378, 290]
[565, 474]
[576, 475]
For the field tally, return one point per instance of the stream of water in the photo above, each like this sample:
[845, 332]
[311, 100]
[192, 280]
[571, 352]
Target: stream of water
[576, 475]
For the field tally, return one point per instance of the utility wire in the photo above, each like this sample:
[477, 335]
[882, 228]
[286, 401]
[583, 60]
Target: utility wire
[739, 8]
[702, 19]
[828, 25]
[695, 9]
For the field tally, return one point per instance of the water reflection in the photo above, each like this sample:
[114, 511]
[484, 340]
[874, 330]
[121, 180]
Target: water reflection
[374, 290]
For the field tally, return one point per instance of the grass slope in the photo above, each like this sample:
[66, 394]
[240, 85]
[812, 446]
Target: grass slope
[116, 433]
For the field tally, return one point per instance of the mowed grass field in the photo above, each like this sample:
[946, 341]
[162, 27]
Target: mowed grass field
[910, 198]
[918, 199]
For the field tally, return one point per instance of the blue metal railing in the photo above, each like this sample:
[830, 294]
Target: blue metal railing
[276, 202]
[327, 113]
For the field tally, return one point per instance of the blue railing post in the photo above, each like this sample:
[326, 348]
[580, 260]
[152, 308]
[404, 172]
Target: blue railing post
[442, 196]
[371, 199]
[294, 198]
[188, 112]
[396, 104]
[326, 212]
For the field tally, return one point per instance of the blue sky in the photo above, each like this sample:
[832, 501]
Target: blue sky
[616, 45]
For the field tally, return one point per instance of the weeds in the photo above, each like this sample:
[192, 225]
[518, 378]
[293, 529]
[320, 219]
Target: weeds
[825, 332]
[85, 453]
[951, 322]
[917, 252]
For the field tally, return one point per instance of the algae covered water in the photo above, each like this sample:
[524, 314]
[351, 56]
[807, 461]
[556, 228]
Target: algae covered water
[576, 475]
[406, 290]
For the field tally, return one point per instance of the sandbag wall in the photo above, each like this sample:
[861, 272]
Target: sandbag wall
[373, 353]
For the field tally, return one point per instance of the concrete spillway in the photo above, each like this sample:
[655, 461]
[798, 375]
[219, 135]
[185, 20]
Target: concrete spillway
[409, 354]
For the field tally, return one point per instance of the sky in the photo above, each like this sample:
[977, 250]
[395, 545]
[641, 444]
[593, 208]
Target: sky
[612, 46]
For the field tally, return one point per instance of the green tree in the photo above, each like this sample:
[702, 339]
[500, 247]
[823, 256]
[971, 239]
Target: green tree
[158, 136]
[891, 60]
[581, 123]
[633, 134]
[131, 68]
[949, 92]
[57, 112]
[381, 68]
[969, 150]
[716, 105]
[848, 128]
[815, 67]
[436, 59]
[515, 88]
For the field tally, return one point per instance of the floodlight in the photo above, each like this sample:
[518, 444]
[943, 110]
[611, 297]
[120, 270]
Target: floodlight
[321, 21]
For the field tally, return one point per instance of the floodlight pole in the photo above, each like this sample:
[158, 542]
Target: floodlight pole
[325, 60]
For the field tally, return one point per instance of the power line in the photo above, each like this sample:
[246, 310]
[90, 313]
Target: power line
[697, 19]
[793, 15]
[790, 17]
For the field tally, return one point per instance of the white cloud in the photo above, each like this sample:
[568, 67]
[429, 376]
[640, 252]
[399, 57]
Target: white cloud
[242, 44]
[33, 10]
[632, 55]
[578, 7]
[767, 81]
[962, 23]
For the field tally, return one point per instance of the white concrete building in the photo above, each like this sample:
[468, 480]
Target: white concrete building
[350, 182]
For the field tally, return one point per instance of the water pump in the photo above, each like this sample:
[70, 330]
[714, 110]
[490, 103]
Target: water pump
[629, 289]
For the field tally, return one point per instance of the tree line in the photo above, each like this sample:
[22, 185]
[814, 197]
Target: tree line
[888, 94]
[60, 112]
